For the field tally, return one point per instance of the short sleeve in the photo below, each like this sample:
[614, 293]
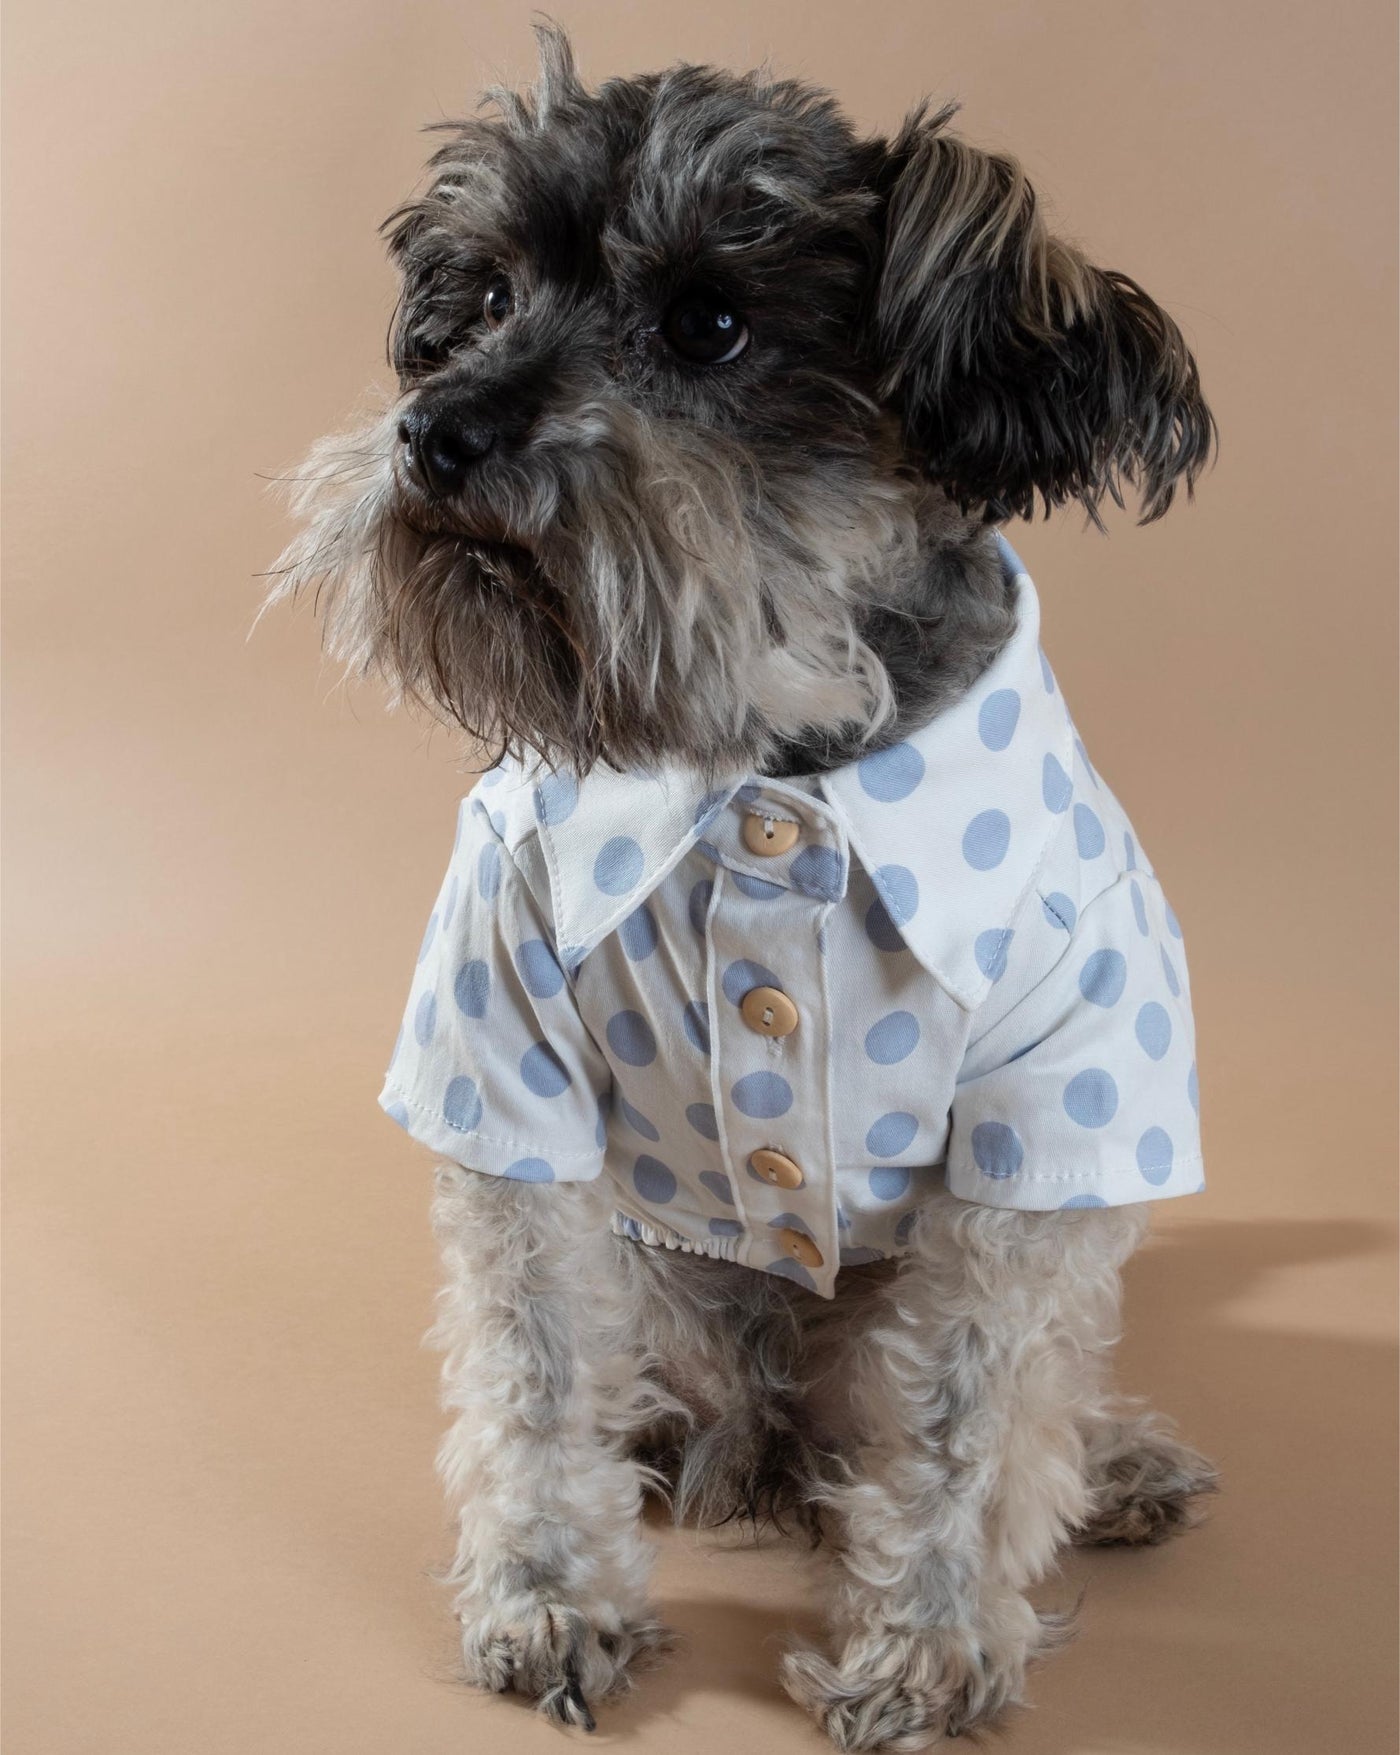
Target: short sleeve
[1084, 1092]
[494, 1067]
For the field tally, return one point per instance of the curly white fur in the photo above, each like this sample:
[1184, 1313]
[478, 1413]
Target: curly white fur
[951, 1418]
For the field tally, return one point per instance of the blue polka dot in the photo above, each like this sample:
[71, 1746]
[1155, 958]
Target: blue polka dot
[1139, 907]
[493, 776]
[989, 951]
[741, 975]
[1103, 978]
[1193, 1088]
[1059, 910]
[539, 970]
[898, 888]
[450, 906]
[701, 1117]
[631, 1038]
[698, 906]
[1088, 833]
[726, 1228]
[996, 722]
[1154, 1155]
[461, 1105]
[543, 1071]
[619, 866]
[891, 1134]
[762, 1095]
[790, 1222]
[488, 871]
[696, 1021]
[880, 929]
[1047, 675]
[1056, 787]
[891, 774]
[893, 1038]
[425, 1018]
[1173, 924]
[748, 793]
[1169, 972]
[555, 798]
[889, 1181]
[653, 1180]
[397, 1113]
[997, 1149]
[718, 1184]
[1129, 852]
[756, 889]
[639, 934]
[428, 937]
[904, 1230]
[1084, 757]
[636, 1120]
[785, 1268]
[1091, 1098]
[816, 871]
[1082, 1200]
[1154, 1029]
[472, 988]
[986, 839]
[530, 1170]
[858, 1255]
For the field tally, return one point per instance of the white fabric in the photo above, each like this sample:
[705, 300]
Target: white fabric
[990, 987]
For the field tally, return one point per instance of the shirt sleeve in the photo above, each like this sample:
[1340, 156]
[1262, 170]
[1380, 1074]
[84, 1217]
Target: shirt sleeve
[494, 1067]
[1084, 1091]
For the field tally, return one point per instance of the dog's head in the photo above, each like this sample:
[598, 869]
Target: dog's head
[694, 386]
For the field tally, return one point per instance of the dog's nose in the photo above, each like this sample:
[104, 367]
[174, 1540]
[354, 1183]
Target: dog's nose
[442, 449]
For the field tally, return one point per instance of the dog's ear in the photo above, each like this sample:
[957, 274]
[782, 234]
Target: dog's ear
[1021, 372]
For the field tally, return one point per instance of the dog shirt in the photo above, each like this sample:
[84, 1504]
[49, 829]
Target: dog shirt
[778, 1014]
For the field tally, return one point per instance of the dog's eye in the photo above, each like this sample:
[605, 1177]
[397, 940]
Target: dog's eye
[702, 328]
[499, 301]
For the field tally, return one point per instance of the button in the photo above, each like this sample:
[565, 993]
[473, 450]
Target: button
[776, 1167]
[769, 836]
[769, 1011]
[800, 1247]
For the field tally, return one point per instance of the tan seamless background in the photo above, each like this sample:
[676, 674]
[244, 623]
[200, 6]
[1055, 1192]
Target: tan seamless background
[220, 1424]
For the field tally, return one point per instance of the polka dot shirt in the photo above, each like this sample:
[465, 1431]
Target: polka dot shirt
[777, 1015]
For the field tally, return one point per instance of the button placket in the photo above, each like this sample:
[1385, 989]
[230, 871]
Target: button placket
[770, 1077]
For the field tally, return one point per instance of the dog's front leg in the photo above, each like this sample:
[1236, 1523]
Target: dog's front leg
[551, 1568]
[972, 1392]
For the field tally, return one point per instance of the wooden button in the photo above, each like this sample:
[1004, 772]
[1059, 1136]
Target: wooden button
[769, 1011]
[800, 1247]
[776, 1167]
[769, 836]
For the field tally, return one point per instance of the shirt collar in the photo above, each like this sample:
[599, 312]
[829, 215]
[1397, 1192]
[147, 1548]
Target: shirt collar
[952, 824]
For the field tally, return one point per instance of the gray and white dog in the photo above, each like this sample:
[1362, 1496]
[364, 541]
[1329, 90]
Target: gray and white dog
[858, 356]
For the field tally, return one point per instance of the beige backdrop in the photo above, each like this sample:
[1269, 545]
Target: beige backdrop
[220, 1423]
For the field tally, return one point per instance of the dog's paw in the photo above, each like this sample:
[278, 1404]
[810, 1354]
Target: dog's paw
[556, 1655]
[906, 1690]
[1148, 1492]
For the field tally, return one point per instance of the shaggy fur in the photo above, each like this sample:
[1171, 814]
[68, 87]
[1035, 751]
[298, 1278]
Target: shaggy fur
[571, 535]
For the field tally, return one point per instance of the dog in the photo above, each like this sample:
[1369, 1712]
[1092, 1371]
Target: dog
[800, 1023]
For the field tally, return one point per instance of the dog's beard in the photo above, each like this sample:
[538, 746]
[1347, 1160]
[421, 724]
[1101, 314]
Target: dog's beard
[624, 590]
